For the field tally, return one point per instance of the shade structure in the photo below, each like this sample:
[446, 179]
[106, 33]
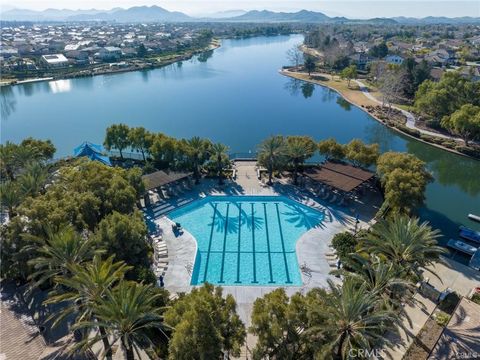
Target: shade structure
[160, 178]
[92, 151]
[342, 176]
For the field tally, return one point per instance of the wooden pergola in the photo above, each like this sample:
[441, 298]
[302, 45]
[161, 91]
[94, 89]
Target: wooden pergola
[161, 178]
[341, 176]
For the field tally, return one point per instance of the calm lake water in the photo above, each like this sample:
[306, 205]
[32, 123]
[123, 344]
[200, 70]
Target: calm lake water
[234, 95]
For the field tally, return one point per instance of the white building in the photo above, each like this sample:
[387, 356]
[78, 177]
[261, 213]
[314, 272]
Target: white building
[55, 60]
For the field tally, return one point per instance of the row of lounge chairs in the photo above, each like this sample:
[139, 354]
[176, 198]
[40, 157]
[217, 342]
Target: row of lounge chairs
[160, 263]
[325, 193]
[171, 191]
[332, 259]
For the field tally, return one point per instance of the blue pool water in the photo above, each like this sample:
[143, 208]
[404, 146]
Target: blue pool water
[246, 240]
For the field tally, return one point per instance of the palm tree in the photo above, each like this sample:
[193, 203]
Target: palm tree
[197, 149]
[56, 253]
[355, 319]
[85, 289]
[271, 154]
[219, 158]
[380, 277]
[299, 149]
[33, 180]
[404, 242]
[127, 312]
[10, 197]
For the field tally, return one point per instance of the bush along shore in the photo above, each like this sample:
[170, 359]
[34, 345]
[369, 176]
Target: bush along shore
[390, 117]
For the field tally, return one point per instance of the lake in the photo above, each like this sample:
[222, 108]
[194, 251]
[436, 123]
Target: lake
[233, 95]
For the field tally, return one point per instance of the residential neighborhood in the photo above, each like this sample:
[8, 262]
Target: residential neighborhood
[443, 48]
[55, 46]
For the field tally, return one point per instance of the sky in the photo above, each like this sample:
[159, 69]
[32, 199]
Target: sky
[350, 8]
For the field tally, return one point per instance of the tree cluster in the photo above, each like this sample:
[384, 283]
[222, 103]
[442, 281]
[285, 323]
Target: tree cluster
[383, 265]
[164, 152]
[440, 100]
[404, 180]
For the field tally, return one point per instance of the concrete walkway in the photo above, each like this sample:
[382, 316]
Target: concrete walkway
[410, 117]
[417, 315]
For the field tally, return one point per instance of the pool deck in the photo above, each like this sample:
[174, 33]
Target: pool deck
[311, 247]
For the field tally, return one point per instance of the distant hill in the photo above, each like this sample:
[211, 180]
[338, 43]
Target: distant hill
[226, 14]
[305, 16]
[133, 14]
[271, 16]
[437, 20]
[159, 14]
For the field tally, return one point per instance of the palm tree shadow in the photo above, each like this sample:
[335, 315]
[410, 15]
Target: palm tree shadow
[302, 217]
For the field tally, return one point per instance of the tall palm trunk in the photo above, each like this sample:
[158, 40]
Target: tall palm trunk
[128, 350]
[196, 172]
[219, 170]
[295, 172]
[143, 154]
[340, 345]
[270, 173]
[106, 344]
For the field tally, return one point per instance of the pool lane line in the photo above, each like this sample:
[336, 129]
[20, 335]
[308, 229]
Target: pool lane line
[224, 243]
[268, 243]
[253, 242]
[239, 232]
[283, 245]
[210, 242]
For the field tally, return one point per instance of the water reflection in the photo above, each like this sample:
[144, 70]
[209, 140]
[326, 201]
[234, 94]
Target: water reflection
[7, 101]
[344, 104]
[145, 75]
[307, 89]
[60, 86]
[376, 133]
[293, 86]
[203, 57]
[449, 169]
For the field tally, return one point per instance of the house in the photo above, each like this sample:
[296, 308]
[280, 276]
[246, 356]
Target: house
[394, 59]
[54, 60]
[109, 53]
[78, 56]
[361, 60]
[441, 57]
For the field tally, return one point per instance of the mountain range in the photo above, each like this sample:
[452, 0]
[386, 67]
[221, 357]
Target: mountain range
[158, 14]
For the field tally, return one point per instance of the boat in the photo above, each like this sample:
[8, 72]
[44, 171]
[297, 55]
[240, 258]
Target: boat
[475, 263]
[461, 246]
[474, 217]
[470, 234]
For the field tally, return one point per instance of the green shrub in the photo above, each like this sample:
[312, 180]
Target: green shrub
[344, 244]
[433, 124]
[442, 319]
[409, 131]
[476, 298]
[471, 151]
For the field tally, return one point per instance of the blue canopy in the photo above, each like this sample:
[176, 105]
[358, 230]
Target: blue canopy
[92, 151]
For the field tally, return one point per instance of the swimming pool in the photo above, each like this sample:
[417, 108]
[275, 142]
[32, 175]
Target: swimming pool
[246, 240]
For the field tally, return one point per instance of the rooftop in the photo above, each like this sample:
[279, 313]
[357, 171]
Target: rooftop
[342, 176]
[55, 58]
[161, 178]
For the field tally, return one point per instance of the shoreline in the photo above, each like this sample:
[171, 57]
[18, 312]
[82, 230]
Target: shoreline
[362, 106]
[214, 44]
